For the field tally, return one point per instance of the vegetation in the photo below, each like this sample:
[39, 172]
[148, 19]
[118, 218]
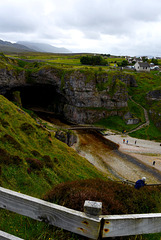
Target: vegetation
[93, 60]
[124, 63]
[116, 198]
[34, 162]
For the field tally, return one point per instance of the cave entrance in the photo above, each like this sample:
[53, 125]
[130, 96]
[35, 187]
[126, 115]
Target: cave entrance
[40, 98]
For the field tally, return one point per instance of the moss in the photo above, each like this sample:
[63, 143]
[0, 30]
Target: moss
[17, 98]
[62, 81]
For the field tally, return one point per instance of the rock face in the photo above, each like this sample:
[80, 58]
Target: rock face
[82, 96]
[154, 95]
[67, 137]
[10, 79]
[154, 101]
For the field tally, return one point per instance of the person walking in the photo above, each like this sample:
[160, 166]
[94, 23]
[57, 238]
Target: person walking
[140, 183]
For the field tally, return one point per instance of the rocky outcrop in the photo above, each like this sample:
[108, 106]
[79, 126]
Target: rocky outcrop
[67, 137]
[10, 78]
[154, 95]
[84, 96]
[154, 102]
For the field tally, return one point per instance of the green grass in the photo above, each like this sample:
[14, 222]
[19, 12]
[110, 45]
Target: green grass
[25, 146]
[146, 82]
[149, 133]
[115, 123]
[32, 161]
[136, 110]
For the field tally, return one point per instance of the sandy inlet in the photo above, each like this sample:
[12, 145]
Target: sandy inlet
[115, 164]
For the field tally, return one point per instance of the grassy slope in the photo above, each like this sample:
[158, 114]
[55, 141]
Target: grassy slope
[146, 82]
[32, 161]
[22, 138]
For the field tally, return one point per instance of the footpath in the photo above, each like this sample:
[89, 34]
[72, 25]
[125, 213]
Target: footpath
[145, 115]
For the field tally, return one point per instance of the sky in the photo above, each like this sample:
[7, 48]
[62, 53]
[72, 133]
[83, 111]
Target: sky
[116, 27]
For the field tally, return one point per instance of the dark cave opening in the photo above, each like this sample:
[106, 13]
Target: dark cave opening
[43, 97]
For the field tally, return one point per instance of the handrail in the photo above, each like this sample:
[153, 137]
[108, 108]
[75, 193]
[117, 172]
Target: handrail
[89, 223]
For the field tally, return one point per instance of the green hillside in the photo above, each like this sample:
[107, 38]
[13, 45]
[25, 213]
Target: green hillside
[31, 151]
[32, 161]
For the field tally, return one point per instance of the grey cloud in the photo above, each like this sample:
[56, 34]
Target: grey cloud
[109, 17]
[71, 22]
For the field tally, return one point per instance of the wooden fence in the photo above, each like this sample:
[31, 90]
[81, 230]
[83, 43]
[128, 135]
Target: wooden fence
[89, 223]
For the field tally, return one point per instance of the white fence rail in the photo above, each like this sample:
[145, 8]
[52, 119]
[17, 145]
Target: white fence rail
[89, 223]
[7, 236]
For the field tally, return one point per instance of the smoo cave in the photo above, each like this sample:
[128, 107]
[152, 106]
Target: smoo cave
[40, 98]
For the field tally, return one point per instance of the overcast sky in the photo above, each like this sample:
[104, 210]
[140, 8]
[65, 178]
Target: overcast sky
[120, 27]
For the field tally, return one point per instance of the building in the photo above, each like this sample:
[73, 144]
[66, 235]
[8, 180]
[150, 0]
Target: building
[142, 66]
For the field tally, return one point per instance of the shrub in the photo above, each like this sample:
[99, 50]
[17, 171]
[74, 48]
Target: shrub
[12, 141]
[7, 159]
[93, 60]
[35, 164]
[36, 153]
[117, 198]
[27, 128]
[48, 162]
[4, 123]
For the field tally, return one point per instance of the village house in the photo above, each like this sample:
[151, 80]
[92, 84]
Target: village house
[142, 66]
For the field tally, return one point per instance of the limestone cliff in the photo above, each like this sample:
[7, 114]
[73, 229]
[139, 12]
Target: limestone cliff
[83, 96]
[154, 103]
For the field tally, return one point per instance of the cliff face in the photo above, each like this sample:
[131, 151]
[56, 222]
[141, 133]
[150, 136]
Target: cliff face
[83, 96]
[154, 101]
[10, 79]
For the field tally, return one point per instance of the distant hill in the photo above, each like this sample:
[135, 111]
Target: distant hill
[43, 47]
[24, 46]
[6, 46]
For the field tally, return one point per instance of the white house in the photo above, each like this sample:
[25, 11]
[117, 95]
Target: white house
[142, 66]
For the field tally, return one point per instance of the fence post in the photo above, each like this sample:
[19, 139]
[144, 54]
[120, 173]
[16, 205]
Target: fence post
[93, 208]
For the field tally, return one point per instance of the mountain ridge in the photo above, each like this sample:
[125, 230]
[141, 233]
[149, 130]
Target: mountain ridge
[43, 47]
[26, 46]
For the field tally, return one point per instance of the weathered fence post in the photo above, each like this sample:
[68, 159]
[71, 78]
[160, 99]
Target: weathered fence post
[94, 209]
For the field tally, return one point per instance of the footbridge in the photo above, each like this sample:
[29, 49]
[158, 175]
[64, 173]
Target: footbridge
[85, 127]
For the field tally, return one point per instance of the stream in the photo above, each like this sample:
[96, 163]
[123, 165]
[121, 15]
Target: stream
[99, 152]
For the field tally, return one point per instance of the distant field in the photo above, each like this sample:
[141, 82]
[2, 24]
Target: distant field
[64, 60]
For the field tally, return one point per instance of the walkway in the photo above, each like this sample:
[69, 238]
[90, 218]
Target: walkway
[146, 118]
